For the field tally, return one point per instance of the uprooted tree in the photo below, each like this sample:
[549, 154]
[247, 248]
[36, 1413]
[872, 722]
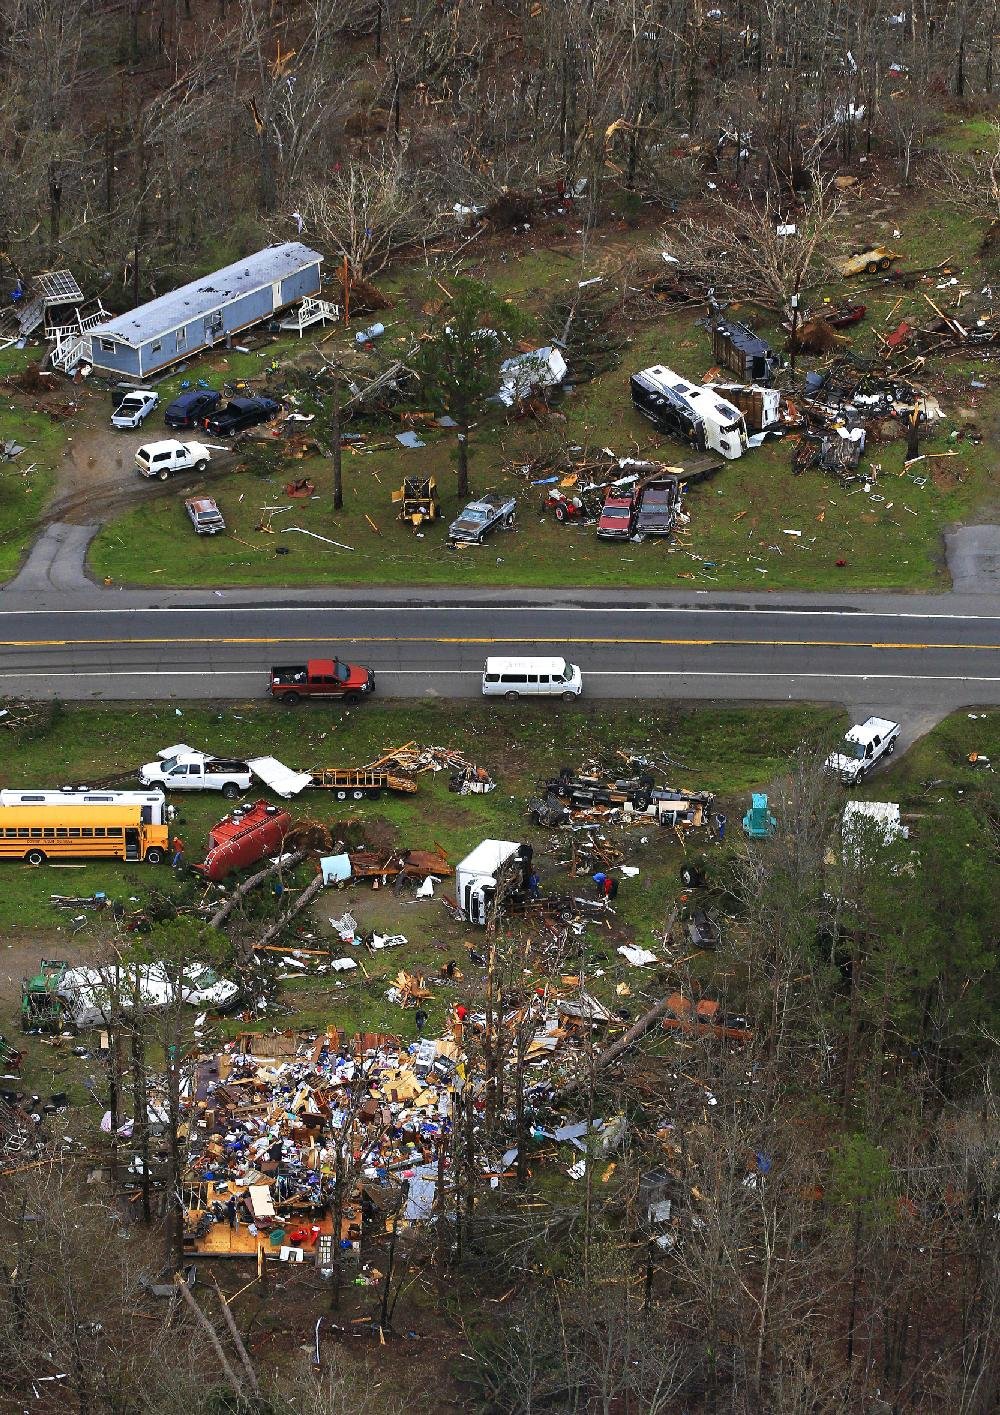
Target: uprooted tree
[469, 336]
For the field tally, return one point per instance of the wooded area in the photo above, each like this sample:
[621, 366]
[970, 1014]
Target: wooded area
[144, 139]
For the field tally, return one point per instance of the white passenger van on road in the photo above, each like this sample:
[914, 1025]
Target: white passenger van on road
[513, 678]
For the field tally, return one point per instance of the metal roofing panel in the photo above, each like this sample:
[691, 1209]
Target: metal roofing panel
[209, 293]
[57, 287]
[281, 779]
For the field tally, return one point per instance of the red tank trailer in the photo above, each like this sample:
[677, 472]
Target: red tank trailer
[243, 837]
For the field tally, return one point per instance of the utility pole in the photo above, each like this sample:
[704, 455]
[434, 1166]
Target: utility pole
[338, 475]
[795, 321]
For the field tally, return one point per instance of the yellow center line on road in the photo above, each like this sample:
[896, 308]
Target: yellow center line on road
[493, 639]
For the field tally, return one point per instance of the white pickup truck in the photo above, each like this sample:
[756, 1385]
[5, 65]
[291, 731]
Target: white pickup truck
[861, 748]
[163, 459]
[181, 768]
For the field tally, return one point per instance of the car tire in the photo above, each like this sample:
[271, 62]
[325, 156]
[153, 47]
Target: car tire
[352, 698]
[508, 521]
[884, 263]
[512, 697]
[200, 465]
[163, 475]
[35, 857]
[568, 697]
[872, 267]
[230, 791]
[154, 856]
[291, 699]
[891, 748]
[341, 795]
[560, 513]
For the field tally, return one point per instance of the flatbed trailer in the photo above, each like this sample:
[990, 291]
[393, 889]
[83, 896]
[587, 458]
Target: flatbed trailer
[354, 783]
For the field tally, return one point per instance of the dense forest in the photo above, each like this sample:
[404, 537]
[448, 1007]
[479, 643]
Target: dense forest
[145, 139]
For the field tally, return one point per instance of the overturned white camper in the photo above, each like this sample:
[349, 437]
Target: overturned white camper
[696, 414]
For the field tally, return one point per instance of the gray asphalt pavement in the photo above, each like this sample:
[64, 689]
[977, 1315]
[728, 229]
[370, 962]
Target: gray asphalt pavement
[913, 657]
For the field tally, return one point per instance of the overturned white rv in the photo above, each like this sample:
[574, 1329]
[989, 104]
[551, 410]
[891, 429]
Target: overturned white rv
[695, 413]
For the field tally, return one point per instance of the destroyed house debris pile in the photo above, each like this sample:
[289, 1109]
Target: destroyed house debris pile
[465, 776]
[591, 797]
[266, 1116]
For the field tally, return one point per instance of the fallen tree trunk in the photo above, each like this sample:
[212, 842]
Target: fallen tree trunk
[310, 892]
[618, 1048]
[231, 900]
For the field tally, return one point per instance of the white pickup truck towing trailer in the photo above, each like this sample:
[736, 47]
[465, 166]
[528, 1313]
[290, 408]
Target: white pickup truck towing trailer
[476, 877]
[180, 768]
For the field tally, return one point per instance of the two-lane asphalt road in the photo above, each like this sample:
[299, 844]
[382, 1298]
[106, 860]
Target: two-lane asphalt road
[921, 657]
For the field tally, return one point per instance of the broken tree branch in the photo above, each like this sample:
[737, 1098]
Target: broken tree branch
[231, 901]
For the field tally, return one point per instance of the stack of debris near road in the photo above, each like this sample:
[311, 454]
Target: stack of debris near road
[465, 776]
[579, 799]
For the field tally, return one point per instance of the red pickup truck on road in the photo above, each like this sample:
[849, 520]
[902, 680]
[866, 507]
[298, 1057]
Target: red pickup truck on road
[322, 678]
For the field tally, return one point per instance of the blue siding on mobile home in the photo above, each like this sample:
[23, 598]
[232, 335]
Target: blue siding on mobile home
[302, 283]
[116, 358]
[207, 311]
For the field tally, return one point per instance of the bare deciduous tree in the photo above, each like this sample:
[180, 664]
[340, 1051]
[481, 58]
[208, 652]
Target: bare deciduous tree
[368, 209]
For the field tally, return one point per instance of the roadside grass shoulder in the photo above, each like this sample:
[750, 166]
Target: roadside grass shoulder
[24, 492]
[938, 767]
[727, 750]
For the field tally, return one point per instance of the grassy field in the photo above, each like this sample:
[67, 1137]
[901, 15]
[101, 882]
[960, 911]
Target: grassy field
[888, 537]
[726, 750]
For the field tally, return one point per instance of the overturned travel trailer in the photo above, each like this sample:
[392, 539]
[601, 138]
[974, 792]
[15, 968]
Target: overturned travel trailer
[694, 413]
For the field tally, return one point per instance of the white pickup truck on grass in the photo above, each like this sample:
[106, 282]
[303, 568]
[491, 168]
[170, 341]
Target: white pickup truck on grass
[181, 768]
[861, 748]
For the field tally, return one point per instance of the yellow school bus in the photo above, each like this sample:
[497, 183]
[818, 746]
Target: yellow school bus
[67, 825]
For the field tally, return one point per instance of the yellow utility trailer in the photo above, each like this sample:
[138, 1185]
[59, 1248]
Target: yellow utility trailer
[869, 261]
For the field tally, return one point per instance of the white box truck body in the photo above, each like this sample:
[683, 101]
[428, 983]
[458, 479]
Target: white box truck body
[476, 877]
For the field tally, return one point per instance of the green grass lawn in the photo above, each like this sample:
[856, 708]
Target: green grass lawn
[722, 749]
[25, 483]
[889, 539]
